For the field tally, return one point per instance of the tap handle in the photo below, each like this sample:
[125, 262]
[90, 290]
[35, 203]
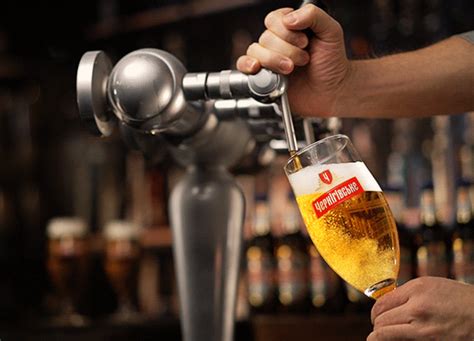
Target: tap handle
[265, 86]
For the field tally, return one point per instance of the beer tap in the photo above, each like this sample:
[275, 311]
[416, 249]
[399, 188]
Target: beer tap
[159, 106]
[201, 119]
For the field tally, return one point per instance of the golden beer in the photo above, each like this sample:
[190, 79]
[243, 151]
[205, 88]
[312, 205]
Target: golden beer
[358, 239]
[346, 214]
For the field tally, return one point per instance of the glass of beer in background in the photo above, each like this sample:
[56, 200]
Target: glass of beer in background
[67, 266]
[346, 214]
[122, 258]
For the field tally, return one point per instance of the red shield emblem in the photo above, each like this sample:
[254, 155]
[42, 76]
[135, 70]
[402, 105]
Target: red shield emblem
[326, 177]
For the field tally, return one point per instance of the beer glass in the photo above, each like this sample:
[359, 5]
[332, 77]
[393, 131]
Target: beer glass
[346, 214]
[122, 257]
[67, 266]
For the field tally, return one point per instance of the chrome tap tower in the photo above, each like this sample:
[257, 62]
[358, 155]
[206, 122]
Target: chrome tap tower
[200, 118]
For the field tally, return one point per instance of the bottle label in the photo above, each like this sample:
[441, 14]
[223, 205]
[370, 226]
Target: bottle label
[432, 260]
[260, 270]
[463, 267]
[292, 275]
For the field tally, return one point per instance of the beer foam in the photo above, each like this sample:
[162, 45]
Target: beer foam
[307, 180]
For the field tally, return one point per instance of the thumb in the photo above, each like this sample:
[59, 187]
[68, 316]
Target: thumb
[322, 24]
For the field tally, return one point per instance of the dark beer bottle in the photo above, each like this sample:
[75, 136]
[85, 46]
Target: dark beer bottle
[292, 263]
[432, 253]
[395, 200]
[262, 291]
[463, 241]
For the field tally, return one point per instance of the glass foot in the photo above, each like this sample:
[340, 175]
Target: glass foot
[380, 288]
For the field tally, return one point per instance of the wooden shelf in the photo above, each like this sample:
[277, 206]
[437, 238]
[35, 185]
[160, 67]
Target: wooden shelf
[161, 16]
[311, 327]
[261, 328]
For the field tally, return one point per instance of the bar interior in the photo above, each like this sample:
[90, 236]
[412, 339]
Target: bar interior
[118, 224]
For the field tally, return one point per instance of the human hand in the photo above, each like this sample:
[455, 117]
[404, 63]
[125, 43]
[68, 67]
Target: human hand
[322, 66]
[426, 308]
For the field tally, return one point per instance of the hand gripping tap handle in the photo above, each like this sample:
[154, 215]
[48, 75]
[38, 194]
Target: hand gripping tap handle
[307, 122]
[285, 106]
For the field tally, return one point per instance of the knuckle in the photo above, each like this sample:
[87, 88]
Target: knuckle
[422, 281]
[420, 309]
[379, 322]
[378, 335]
[429, 333]
[338, 28]
[264, 37]
[270, 19]
[312, 10]
[377, 308]
[252, 48]
[416, 284]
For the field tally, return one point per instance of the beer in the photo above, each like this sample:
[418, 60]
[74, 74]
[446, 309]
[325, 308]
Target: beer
[350, 222]
[67, 265]
[122, 255]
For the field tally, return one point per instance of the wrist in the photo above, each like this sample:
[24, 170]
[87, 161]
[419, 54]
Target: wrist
[346, 92]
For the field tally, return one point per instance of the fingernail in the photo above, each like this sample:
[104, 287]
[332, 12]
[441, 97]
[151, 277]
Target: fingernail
[250, 63]
[302, 42]
[306, 59]
[285, 65]
[290, 18]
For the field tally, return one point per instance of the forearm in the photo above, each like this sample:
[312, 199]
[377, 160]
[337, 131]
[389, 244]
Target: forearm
[435, 80]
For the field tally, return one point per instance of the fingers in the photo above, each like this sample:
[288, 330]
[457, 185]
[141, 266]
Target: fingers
[395, 316]
[281, 47]
[388, 301]
[273, 53]
[270, 41]
[321, 23]
[248, 64]
[271, 59]
[402, 332]
[274, 24]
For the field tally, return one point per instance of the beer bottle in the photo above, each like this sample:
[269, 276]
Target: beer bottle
[463, 241]
[292, 262]
[262, 293]
[395, 200]
[432, 253]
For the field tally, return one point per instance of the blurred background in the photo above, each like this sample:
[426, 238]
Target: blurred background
[58, 276]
